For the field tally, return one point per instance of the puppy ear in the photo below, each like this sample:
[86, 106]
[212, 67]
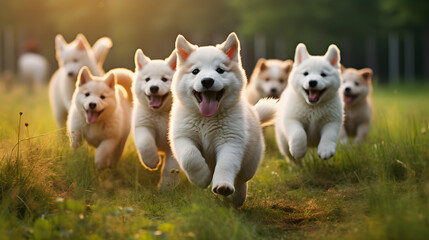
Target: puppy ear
[301, 54]
[231, 47]
[333, 55]
[82, 42]
[366, 74]
[140, 59]
[101, 48]
[84, 76]
[342, 68]
[183, 49]
[172, 60]
[287, 66]
[261, 64]
[59, 42]
[110, 80]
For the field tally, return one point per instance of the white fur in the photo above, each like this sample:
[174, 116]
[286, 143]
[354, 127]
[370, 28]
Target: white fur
[33, 69]
[303, 123]
[357, 104]
[150, 122]
[268, 79]
[71, 58]
[224, 148]
[110, 130]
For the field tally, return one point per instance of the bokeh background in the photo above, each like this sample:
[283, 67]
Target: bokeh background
[390, 36]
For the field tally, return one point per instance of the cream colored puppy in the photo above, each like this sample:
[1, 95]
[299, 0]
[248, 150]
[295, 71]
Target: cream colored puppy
[356, 90]
[152, 104]
[215, 133]
[71, 58]
[269, 79]
[101, 113]
[310, 109]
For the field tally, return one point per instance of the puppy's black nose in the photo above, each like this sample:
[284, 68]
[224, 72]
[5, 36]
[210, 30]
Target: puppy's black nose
[273, 90]
[312, 83]
[70, 74]
[347, 89]
[92, 105]
[154, 89]
[207, 82]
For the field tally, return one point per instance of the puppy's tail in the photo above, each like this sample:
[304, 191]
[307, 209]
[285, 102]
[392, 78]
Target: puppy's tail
[266, 109]
[124, 77]
[101, 48]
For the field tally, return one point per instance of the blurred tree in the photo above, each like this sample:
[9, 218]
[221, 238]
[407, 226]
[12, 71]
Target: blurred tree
[405, 15]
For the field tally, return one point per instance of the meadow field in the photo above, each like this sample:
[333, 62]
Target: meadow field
[376, 190]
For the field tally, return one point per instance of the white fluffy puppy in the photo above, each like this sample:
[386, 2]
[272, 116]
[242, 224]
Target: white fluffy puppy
[268, 79]
[152, 104]
[356, 90]
[215, 133]
[101, 113]
[310, 109]
[71, 58]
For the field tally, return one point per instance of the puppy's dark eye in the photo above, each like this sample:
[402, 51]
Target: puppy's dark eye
[195, 71]
[87, 94]
[164, 79]
[323, 74]
[356, 84]
[147, 79]
[305, 73]
[281, 80]
[75, 60]
[220, 70]
[267, 79]
[102, 97]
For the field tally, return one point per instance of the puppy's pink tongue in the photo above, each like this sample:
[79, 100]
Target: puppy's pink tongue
[348, 99]
[92, 116]
[209, 103]
[155, 101]
[313, 95]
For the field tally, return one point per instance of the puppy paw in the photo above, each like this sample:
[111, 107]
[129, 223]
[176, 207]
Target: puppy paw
[150, 160]
[223, 188]
[103, 163]
[298, 152]
[326, 151]
[344, 141]
[198, 173]
[75, 144]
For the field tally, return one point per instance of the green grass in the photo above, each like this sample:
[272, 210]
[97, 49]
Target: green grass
[376, 190]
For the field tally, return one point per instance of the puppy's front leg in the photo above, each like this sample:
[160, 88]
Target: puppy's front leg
[328, 140]
[192, 162]
[74, 125]
[343, 136]
[170, 173]
[228, 163]
[75, 138]
[104, 156]
[297, 138]
[362, 132]
[146, 146]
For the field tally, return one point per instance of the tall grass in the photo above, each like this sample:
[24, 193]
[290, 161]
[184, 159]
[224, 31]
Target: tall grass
[375, 190]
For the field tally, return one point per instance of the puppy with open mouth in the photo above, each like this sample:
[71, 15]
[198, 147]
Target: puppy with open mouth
[310, 109]
[215, 134]
[152, 104]
[356, 89]
[101, 113]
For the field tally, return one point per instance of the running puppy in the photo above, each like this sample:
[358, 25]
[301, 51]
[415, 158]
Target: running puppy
[71, 58]
[356, 90]
[215, 133]
[152, 105]
[310, 109]
[269, 79]
[101, 113]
